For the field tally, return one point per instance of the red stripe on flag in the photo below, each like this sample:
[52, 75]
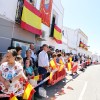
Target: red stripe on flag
[58, 29]
[26, 85]
[32, 8]
[30, 28]
[58, 41]
[31, 94]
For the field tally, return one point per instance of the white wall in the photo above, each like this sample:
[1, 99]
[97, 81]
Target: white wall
[71, 39]
[82, 36]
[8, 9]
[57, 9]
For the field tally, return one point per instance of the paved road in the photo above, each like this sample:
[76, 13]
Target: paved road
[85, 87]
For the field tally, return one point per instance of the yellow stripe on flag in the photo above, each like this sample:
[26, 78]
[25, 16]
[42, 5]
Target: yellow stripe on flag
[13, 98]
[61, 67]
[30, 18]
[57, 35]
[61, 62]
[69, 66]
[70, 59]
[27, 91]
[51, 75]
[52, 64]
[36, 77]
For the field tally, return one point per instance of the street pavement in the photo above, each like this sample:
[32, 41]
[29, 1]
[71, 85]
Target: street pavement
[84, 87]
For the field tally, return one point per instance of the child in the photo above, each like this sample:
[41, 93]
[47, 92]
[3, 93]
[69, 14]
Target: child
[29, 69]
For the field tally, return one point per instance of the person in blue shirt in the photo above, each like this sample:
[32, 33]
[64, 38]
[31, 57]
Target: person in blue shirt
[29, 69]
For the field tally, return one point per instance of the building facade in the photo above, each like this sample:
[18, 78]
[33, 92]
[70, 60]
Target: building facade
[11, 33]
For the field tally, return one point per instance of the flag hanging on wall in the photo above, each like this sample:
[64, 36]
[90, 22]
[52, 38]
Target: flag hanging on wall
[31, 18]
[57, 35]
[45, 9]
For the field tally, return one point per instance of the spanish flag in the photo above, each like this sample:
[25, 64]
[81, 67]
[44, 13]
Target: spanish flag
[51, 75]
[61, 67]
[31, 18]
[12, 97]
[28, 91]
[57, 35]
[53, 64]
[69, 66]
[81, 44]
[45, 9]
[37, 78]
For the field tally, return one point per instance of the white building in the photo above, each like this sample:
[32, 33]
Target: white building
[95, 57]
[81, 36]
[71, 40]
[12, 33]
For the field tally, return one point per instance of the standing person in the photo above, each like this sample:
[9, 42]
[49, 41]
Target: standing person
[19, 57]
[43, 66]
[43, 62]
[28, 56]
[33, 55]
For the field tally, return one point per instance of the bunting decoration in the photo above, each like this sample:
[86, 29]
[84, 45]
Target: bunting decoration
[28, 91]
[31, 19]
[57, 35]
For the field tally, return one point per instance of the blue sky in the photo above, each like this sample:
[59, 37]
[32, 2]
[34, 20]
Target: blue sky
[84, 14]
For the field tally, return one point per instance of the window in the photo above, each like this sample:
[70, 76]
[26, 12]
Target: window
[19, 11]
[63, 32]
[33, 2]
[23, 44]
[52, 26]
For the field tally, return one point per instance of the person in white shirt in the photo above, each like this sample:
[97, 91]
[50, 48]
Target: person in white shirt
[43, 62]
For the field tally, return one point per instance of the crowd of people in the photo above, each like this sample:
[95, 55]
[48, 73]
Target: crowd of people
[13, 66]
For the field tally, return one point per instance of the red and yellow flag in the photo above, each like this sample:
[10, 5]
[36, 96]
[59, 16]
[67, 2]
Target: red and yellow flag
[12, 97]
[45, 9]
[57, 35]
[28, 91]
[53, 64]
[69, 66]
[61, 67]
[31, 18]
[51, 75]
[37, 78]
[81, 44]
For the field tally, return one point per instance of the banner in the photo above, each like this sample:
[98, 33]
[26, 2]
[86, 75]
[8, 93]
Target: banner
[31, 19]
[45, 9]
[57, 35]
